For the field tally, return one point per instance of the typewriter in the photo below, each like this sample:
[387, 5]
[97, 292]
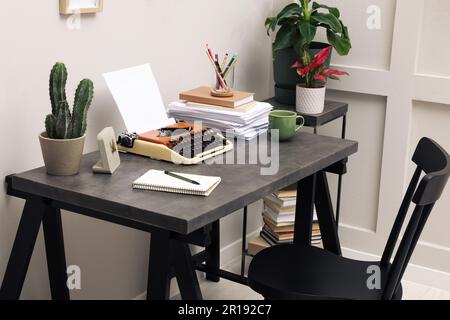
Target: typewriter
[180, 143]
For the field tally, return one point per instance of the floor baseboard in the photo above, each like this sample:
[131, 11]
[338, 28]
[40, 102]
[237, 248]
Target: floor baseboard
[414, 273]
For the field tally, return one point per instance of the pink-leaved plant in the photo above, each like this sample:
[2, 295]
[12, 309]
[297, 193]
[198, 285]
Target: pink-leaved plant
[316, 69]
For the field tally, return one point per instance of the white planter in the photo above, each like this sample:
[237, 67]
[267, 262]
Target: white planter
[310, 100]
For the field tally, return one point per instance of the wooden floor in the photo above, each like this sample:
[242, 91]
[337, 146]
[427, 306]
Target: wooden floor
[227, 290]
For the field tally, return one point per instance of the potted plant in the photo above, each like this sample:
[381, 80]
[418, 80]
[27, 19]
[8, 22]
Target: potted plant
[63, 141]
[297, 26]
[311, 94]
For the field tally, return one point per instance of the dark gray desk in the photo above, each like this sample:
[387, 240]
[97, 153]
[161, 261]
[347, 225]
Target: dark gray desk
[173, 220]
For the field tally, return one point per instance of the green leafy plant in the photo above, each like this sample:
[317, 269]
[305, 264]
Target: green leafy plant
[61, 123]
[298, 23]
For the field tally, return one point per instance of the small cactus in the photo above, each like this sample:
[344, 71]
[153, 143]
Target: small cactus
[61, 123]
[50, 126]
[62, 120]
[83, 99]
[58, 80]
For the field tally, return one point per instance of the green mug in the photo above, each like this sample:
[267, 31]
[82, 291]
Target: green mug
[286, 123]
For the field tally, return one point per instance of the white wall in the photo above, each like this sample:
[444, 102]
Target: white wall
[171, 35]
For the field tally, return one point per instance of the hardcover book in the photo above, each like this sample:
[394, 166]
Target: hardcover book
[202, 95]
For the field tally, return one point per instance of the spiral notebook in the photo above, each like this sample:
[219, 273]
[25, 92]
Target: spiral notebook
[156, 180]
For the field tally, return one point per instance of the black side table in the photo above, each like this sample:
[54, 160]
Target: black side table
[333, 111]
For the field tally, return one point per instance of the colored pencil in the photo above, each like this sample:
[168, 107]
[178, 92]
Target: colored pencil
[224, 62]
[221, 80]
[230, 66]
[209, 51]
[216, 60]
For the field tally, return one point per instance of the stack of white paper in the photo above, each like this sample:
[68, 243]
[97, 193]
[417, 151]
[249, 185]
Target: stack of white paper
[243, 122]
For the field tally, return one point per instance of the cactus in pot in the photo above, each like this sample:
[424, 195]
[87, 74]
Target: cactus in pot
[63, 140]
[61, 123]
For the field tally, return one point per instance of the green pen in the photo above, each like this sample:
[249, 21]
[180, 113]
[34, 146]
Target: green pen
[181, 178]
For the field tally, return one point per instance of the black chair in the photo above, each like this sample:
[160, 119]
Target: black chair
[303, 272]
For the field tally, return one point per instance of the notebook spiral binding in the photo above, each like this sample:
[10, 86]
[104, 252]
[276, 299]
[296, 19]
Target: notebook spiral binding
[167, 189]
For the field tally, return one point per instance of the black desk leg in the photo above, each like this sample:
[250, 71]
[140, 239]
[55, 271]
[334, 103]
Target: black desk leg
[56, 258]
[325, 214]
[213, 254]
[22, 250]
[185, 271]
[305, 210]
[339, 190]
[244, 240]
[159, 267]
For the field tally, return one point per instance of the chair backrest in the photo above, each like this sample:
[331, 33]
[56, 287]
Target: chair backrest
[434, 161]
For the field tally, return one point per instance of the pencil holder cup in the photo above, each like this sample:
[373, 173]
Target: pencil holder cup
[218, 90]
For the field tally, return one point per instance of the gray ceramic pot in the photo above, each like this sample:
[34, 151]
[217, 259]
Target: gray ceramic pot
[62, 157]
[286, 78]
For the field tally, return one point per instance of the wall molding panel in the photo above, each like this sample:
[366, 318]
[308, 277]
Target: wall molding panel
[402, 85]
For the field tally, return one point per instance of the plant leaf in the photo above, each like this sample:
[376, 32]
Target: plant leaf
[329, 20]
[345, 32]
[307, 31]
[268, 21]
[303, 71]
[298, 46]
[320, 58]
[297, 64]
[297, 41]
[291, 9]
[271, 24]
[320, 78]
[341, 44]
[283, 39]
[335, 72]
[334, 11]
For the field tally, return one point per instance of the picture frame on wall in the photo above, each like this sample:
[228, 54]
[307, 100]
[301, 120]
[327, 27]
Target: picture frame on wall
[80, 6]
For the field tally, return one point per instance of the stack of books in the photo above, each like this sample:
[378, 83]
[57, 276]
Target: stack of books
[239, 115]
[279, 222]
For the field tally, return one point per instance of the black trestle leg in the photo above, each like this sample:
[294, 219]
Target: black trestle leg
[159, 268]
[325, 215]
[304, 210]
[244, 240]
[213, 254]
[185, 271]
[56, 258]
[22, 250]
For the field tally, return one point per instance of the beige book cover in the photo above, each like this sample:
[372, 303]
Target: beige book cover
[203, 95]
[256, 245]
